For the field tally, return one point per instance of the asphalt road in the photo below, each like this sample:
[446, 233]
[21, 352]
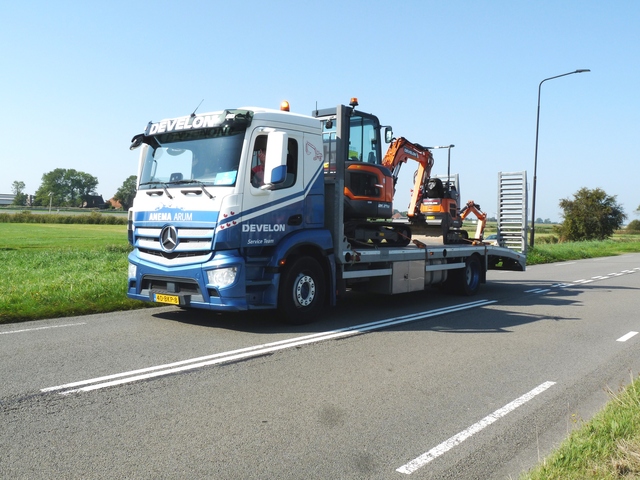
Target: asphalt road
[422, 385]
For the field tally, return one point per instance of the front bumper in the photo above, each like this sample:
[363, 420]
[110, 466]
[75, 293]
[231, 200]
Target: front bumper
[187, 285]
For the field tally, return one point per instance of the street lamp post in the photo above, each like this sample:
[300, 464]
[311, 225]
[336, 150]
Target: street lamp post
[535, 161]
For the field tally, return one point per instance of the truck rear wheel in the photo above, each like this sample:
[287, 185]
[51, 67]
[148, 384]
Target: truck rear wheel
[302, 291]
[465, 281]
[470, 276]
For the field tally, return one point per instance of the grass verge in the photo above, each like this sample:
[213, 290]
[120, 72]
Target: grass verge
[55, 270]
[606, 447]
[562, 252]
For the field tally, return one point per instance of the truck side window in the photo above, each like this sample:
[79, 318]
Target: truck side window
[292, 163]
[257, 161]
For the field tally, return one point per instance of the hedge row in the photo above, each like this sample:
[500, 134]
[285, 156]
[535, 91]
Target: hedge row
[94, 218]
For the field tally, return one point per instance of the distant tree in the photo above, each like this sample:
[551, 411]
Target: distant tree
[539, 220]
[127, 192]
[68, 188]
[634, 225]
[591, 215]
[17, 187]
[547, 220]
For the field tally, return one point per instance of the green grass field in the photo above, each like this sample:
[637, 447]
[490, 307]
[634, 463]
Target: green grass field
[56, 270]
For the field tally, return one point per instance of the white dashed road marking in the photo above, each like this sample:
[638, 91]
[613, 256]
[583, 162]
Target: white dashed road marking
[626, 337]
[457, 439]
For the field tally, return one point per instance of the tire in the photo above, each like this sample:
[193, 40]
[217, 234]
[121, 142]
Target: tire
[470, 276]
[404, 235]
[301, 295]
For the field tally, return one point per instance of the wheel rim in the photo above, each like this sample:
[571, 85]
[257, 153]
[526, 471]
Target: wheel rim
[472, 275]
[305, 290]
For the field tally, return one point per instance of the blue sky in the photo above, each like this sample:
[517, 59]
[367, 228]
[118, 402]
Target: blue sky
[79, 79]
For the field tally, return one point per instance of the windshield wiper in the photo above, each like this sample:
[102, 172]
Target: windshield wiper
[162, 184]
[197, 182]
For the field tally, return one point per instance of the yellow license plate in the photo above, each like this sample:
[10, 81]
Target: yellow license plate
[431, 217]
[162, 298]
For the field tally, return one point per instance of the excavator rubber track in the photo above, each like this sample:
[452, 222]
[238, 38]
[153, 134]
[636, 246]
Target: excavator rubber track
[377, 234]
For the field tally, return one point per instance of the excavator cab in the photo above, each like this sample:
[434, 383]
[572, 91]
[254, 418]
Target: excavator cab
[367, 190]
[441, 198]
[368, 186]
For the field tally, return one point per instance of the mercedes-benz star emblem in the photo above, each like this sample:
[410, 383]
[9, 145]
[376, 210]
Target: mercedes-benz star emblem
[169, 238]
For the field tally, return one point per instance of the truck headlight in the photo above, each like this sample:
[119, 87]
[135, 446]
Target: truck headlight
[130, 226]
[222, 277]
[132, 270]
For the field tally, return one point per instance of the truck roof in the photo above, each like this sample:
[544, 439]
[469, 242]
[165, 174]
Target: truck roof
[271, 114]
[209, 119]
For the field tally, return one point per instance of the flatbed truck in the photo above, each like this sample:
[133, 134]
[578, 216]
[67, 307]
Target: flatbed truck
[207, 233]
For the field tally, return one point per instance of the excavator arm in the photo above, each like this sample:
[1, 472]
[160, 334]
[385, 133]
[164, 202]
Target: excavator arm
[472, 207]
[400, 150]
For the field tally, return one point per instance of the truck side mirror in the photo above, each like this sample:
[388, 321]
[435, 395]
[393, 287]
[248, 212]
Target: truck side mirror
[136, 141]
[275, 168]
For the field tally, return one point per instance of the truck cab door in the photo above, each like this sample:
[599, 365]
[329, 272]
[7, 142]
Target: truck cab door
[274, 196]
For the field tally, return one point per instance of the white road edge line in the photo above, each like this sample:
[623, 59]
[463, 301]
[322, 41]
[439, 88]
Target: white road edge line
[248, 352]
[43, 328]
[447, 445]
[626, 337]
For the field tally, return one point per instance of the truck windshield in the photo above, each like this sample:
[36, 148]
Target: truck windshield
[208, 156]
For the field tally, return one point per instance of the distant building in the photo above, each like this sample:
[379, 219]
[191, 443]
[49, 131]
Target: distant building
[93, 201]
[114, 203]
[6, 198]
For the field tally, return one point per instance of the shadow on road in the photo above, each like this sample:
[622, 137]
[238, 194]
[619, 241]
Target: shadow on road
[357, 309]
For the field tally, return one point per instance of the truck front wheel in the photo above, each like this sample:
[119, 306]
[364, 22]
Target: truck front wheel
[302, 291]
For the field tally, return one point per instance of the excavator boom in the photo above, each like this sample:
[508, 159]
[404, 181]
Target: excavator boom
[400, 150]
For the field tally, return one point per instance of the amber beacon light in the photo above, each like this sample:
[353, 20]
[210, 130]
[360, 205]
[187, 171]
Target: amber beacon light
[284, 106]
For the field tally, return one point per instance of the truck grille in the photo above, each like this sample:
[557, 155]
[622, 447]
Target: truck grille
[190, 242]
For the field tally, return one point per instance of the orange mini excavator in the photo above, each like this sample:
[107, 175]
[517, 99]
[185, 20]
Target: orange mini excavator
[370, 183]
[434, 208]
